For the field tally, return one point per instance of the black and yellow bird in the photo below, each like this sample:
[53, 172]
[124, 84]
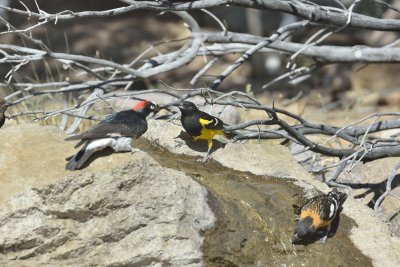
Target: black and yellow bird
[316, 216]
[202, 126]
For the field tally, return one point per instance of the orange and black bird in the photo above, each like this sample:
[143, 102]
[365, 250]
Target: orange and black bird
[202, 126]
[115, 131]
[316, 216]
[3, 107]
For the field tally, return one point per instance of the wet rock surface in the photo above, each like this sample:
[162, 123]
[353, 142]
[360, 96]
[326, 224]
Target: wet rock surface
[161, 207]
[369, 233]
[255, 219]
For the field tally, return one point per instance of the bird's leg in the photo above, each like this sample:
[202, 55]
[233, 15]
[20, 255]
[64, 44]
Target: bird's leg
[207, 156]
[325, 237]
[123, 144]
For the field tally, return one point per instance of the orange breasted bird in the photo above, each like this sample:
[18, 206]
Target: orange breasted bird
[202, 126]
[316, 216]
[115, 131]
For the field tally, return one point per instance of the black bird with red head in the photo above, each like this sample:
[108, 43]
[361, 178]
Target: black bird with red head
[116, 131]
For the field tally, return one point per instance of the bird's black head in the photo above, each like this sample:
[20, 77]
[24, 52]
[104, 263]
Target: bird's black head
[146, 107]
[187, 106]
[302, 229]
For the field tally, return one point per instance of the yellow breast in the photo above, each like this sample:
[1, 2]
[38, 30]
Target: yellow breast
[207, 134]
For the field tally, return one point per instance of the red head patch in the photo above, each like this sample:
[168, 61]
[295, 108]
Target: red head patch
[141, 105]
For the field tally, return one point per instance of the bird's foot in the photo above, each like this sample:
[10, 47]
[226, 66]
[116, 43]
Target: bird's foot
[205, 158]
[323, 240]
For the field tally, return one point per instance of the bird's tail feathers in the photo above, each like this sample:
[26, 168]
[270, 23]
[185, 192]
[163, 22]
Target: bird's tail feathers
[77, 161]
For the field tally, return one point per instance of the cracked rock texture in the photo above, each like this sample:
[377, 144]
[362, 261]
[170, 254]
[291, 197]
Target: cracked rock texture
[142, 209]
[139, 214]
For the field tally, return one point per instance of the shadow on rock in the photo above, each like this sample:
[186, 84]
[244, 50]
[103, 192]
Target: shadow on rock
[376, 188]
[99, 154]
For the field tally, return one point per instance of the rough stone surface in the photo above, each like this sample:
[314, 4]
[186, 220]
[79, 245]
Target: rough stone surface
[139, 214]
[372, 235]
[34, 156]
[255, 219]
[261, 158]
[369, 182]
[140, 210]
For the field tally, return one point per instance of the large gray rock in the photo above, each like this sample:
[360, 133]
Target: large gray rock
[137, 209]
[139, 214]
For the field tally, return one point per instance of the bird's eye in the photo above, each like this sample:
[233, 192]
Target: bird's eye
[153, 107]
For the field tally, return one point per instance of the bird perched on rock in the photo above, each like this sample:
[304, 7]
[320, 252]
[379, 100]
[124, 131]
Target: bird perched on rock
[202, 126]
[116, 131]
[316, 216]
[3, 107]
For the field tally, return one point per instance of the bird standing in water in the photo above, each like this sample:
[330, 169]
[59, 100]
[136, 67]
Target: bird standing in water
[116, 131]
[316, 216]
[202, 126]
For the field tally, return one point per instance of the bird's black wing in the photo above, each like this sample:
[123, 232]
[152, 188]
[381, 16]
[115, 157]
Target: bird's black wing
[210, 122]
[322, 205]
[329, 208]
[124, 123]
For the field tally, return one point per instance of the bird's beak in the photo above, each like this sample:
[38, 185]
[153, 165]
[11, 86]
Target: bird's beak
[158, 108]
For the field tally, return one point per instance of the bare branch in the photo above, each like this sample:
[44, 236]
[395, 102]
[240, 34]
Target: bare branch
[393, 174]
[303, 10]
